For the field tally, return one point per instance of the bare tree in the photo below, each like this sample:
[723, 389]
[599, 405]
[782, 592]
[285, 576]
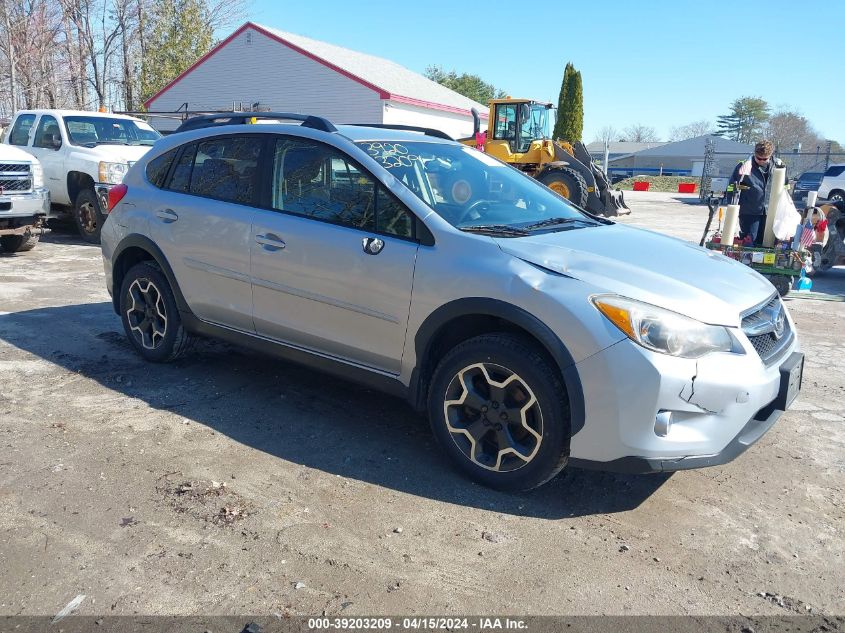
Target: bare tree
[692, 130]
[607, 134]
[787, 129]
[639, 133]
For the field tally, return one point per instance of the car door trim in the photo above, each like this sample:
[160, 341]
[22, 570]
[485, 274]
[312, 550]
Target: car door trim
[215, 270]
[304, 294]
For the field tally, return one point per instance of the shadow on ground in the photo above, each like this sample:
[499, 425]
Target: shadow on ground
[299, 415]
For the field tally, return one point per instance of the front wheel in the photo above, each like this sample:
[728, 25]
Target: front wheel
[499, 408]
[88, 216]
[568, 183]
[150, 317]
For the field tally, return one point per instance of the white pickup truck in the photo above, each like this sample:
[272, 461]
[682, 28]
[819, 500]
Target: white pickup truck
[24, 202]
[84, 154]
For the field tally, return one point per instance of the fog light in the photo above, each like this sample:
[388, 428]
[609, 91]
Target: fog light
[663, 423]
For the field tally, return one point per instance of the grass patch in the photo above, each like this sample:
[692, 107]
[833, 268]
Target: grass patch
[658, 183]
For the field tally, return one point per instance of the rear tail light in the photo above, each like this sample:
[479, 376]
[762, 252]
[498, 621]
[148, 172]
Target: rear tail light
[116, 194]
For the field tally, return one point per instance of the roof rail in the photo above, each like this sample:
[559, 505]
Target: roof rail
[428, 131]
[240, 118]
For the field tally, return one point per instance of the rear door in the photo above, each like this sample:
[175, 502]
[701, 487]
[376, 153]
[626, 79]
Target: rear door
[332, 258]
[202, 221]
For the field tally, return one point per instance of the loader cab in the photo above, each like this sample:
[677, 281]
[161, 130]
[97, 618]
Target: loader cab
[519, 123]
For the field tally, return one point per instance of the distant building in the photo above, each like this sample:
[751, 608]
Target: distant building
[681, 158]
[261, 68]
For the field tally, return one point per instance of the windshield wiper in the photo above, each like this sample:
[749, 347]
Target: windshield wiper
[495, 229]
[559, 221]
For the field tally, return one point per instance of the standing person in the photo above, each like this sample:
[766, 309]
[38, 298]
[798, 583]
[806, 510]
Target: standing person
[752, 178]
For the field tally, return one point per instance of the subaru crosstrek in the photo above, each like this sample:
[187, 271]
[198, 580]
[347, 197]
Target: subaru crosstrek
[532, 333]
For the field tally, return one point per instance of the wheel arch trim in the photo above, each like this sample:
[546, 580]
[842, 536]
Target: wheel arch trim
[433, 325]
[135, 240]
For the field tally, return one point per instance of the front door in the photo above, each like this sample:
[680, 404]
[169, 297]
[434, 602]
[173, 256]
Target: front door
[202, 221]
[46, 147]
[333, 258]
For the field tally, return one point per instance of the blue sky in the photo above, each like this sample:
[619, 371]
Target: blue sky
[658, 64]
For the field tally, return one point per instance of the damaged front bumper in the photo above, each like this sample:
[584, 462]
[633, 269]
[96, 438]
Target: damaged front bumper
[649, 412]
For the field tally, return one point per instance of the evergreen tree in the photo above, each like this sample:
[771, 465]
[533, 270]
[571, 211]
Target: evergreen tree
[180, 32]
[560, 130]
[575, 108]
[746, 120]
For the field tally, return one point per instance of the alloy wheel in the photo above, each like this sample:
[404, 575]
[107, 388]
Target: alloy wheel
[146, 313]
[493, 417]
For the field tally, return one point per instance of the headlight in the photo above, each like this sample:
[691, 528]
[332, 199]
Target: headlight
[663, 331]
[112, 173]
[37, 176]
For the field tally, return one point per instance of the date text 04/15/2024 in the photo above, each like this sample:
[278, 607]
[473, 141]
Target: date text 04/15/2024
[481, 624]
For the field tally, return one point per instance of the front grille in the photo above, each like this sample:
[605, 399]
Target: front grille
[14, 168]
[15, 177]
[18, 184]
[760, 328]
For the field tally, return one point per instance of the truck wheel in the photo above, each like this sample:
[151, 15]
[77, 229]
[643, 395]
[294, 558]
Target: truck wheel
[568, 183]
[149, 314]
[88, 216]
[19, 243]
[499, 409]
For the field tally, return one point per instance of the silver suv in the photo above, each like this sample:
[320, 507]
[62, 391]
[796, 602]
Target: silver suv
[532, 333]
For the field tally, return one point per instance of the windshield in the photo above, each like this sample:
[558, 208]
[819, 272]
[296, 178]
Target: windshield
[536, 124]
[91, 131]
[470, 189]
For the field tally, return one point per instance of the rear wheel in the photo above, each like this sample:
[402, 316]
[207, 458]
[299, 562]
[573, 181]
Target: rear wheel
[837, 196]
[150, 317]
[88, 216]
[19, 243]
[499, 409]
[566, 182]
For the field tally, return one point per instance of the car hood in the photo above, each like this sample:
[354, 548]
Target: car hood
[114, 153]
[650, 267]
[9, 152]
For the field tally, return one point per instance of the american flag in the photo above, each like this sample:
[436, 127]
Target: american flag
[808, 236]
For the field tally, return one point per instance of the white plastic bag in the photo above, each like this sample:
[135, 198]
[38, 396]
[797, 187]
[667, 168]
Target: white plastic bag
[786, 217]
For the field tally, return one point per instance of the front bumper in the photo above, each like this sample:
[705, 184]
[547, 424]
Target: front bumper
[17, 205]
[720, 404]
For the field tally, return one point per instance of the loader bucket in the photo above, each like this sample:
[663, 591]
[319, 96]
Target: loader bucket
[614, 203]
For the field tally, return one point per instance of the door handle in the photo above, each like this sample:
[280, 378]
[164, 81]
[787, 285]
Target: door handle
[168, 215]
[270, 242]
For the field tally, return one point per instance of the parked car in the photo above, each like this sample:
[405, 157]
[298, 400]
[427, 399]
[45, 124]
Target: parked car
[808, 181]
[532, 333]
[84, 154]
[24, 202]
[832, 186]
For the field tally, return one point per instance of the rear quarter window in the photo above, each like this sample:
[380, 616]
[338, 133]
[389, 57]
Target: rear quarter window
[834, 170]
[158, 167]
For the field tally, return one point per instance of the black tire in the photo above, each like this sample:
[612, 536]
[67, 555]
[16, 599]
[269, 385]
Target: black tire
[159, 336]
[548, 416]
[782, 283]
[88, 216]
[568, 183]
[19, 243]
[836, 196]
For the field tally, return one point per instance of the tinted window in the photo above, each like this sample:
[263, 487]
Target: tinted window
[158, 167]
[47, 132]
[181, 178]
[20, 132]
[835, 170]
[391, 216]
[317, 181]
[225, 168]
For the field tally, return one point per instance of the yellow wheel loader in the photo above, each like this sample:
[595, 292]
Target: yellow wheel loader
[518, 133]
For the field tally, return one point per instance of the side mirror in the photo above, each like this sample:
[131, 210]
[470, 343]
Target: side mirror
[55, 141]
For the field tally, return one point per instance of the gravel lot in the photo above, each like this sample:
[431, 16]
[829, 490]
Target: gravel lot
[229, 483]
